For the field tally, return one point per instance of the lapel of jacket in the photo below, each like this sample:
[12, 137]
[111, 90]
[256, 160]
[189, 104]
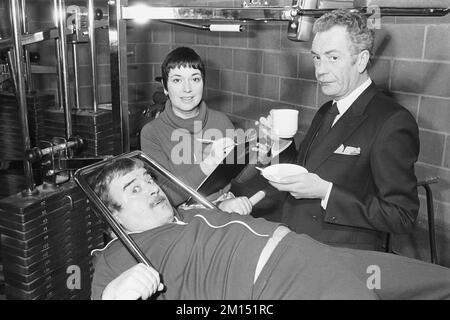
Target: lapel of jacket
[337, 135]
[311, 133]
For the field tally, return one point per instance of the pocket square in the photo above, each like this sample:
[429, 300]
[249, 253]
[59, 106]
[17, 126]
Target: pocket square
[348, 150]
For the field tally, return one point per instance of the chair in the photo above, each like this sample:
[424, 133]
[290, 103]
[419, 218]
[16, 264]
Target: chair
[430, 212]
[430, 215]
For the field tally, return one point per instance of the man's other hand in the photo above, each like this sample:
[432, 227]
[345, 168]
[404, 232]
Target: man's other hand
[304, 185]
[240, 205]
[137, 282]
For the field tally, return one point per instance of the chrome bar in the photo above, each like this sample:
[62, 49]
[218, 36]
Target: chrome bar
[208, 27]
[20, 89]
[26, 52]
[65, 99]
[119, 82]
[13, 71]
[185, 24]
[416, 12]
[59, 74]
[92, 44]
[140, 12]
[263, 13]
[75, 75]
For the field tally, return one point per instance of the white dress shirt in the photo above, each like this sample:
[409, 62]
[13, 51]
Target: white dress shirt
[343, 105]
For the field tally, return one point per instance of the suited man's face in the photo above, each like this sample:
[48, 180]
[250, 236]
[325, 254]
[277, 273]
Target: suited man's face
[338, 69]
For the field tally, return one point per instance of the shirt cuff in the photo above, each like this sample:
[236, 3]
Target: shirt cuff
[324, 202]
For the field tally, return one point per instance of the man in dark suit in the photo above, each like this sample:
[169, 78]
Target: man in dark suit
[360, 149]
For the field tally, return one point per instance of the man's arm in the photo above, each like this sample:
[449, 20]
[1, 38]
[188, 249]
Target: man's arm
[395, 205]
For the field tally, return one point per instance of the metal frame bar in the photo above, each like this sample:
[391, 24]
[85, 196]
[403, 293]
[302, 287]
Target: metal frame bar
[26, 52]
[81, 178]
[75, 75]
[263, 13]
[21, 89]
[430, 215]
[93, 49]
[63, 66]
[119, 79]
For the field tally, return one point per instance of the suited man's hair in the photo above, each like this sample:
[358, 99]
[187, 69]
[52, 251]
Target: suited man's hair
[361, 36]
[181, 57]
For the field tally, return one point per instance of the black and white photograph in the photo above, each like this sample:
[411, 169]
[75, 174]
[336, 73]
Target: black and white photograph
[230, 157]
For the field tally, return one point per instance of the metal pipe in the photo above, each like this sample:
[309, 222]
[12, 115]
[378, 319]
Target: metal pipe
[13, 71]
[36, 154]
[21, 98]
[59, 74]
[92, 43]
[186, 24]
[264, 13]
[208, 27]
[29, 81]
[75, 74]
[65, 99]
[119, 83]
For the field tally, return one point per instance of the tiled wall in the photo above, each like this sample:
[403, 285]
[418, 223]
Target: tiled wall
[251, 72]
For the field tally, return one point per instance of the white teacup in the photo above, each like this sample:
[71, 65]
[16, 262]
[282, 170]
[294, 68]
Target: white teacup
[284, 122]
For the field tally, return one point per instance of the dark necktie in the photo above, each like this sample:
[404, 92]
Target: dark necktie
[328, 119]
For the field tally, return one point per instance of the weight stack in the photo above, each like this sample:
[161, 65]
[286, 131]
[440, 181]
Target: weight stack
[11, 138]
[95, 128]
[12, 178]
[46, 242]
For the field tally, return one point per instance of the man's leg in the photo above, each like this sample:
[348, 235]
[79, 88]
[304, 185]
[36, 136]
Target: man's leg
[397, 277]
[302, 268]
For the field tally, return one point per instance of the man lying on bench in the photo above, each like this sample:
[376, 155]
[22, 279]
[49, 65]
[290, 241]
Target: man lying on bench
[209, 254]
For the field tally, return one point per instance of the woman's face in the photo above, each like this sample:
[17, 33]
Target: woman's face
[185, 91]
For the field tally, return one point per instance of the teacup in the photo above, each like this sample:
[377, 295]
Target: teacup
[284, 122]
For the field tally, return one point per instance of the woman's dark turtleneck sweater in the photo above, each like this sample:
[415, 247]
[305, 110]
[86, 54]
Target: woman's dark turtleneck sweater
[170, 140]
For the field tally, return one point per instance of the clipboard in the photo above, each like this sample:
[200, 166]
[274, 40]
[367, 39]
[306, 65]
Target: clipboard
[233, 164]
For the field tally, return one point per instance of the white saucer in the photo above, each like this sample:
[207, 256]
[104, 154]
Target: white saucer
[276, 172]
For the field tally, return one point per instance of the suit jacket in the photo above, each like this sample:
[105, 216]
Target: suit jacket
[374, 192]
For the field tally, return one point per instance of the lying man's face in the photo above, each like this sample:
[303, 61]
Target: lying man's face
[143, 204]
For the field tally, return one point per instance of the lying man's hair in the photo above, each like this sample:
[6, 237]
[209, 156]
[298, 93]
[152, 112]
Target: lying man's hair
[117, 168]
